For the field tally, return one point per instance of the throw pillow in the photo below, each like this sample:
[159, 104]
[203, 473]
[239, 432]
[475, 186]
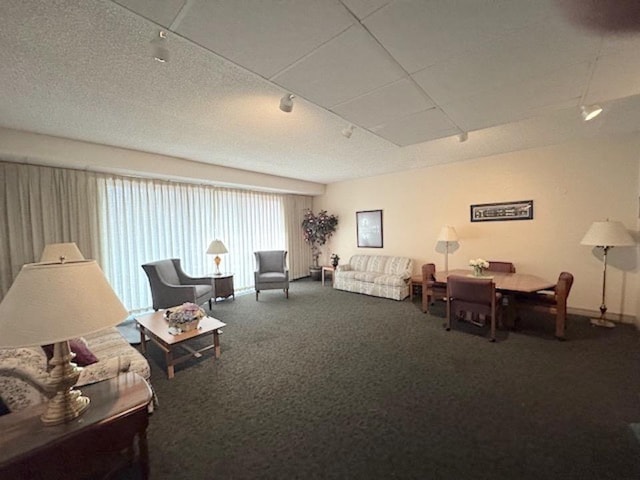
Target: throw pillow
[84, 356]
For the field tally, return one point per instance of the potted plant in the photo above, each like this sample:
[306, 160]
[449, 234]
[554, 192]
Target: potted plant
[317, 229]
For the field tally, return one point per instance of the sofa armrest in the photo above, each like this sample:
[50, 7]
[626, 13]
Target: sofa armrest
[23, 377]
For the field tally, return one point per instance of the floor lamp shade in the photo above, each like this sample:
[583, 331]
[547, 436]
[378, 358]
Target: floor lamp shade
[52, 303]
[216, 247]
[54, 252]
[447, 235]
[606, 235]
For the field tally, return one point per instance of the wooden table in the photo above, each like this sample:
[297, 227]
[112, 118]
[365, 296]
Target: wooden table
[157, 328]
[328, 268]
[509, 282]
[85, 447]
[223, 286]
[416, 282]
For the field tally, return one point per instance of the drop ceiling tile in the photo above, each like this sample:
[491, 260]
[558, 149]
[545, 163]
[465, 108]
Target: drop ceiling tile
[419, 127]
[615, 76]
[398, 99]
[263, 36]
[160, 11]
[419, 34]
[351, 64]
[364, 8]
[514, 102]
[515, 57]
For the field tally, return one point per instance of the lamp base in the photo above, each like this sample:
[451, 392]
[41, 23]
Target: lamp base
[217, 261]
[601, 322]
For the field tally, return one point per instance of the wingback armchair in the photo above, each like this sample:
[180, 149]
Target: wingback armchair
[271, 271]
[170, 286]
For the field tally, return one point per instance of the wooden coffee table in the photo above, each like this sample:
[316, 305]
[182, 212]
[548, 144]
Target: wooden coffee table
[157, 328]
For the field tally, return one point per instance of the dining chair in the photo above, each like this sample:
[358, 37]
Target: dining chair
[271, 271]
[506, 267]
[472, 295]
[431, 289]
[549, 301]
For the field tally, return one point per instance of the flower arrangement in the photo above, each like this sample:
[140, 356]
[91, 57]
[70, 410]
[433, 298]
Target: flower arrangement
[335, 259]
[317, 229]
[184, 317]
[479, 265]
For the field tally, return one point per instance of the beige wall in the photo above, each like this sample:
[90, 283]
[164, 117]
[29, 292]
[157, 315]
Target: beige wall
[571, 185]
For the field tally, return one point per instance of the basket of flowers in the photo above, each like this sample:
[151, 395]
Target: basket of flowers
[185, 317]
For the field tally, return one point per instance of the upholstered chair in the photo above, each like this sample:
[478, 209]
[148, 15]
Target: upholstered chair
[552, 301]
[170, 286]
[472, 296]
[506, 267]
[271, 271]
[431, 289]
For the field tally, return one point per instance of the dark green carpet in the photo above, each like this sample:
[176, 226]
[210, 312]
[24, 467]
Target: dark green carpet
[330, 384]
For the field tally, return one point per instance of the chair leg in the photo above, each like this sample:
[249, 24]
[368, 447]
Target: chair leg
[561, 319]
[210, 304]
[257, 292]
[286, 292]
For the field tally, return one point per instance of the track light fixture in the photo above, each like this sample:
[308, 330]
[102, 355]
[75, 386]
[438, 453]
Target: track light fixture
[347, 131]
[286, 103]
[160, 50]
[590, 112]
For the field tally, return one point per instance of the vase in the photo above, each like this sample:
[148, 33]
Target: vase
[334, 264]
[478, 271]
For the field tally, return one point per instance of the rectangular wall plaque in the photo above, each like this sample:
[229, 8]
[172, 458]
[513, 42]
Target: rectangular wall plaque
[492, 212]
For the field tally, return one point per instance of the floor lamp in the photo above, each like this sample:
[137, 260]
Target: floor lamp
[447, 235]
[606, 235]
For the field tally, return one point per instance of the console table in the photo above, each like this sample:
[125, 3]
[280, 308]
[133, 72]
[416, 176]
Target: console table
[87, 446]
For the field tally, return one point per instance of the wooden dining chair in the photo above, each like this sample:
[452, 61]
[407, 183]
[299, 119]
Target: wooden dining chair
[506, 267]
[472, 295]
[549, 301]
[431, 289]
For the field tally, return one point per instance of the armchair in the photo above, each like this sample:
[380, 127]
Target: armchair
[472, 295]
[506, 267]
[271, 271]
[170, 286]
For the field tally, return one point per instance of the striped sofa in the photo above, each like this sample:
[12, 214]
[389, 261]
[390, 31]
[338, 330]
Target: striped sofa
[377, 275]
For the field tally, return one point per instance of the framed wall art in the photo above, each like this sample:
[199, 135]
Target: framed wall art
[493, 212]
[369, 228]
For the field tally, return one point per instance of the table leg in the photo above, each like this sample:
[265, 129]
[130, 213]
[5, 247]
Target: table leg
[143, 447]
[168, 356]
[143, 338]
[216, 343]
[323, 277]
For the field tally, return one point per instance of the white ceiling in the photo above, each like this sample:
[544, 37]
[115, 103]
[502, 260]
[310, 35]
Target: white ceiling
[411, 76]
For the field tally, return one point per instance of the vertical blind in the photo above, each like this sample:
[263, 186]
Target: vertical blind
[124, 222]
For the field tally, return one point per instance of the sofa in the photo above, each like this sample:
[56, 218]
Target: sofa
[377, 275]
[22, 370]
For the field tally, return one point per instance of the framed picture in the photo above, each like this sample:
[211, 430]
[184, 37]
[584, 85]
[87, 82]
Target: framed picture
[493, 212]
[369, 228]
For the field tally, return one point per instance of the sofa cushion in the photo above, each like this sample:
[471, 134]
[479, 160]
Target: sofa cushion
[391, 280]
[377, 264]
[365, 276]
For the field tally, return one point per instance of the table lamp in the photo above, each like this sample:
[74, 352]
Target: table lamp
[606, 235]
[447, 235]
[216, 247]
[54, 251]
[52, 303]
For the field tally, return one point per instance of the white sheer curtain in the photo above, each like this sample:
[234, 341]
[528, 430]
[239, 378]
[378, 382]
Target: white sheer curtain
[146, 220]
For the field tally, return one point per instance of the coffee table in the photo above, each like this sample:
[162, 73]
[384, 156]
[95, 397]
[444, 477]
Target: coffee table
[157, 328]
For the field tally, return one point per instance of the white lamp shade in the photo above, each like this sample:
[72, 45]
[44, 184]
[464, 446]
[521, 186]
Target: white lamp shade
[216, 247]
[53, 251]
[448, 234]
[53, 302]
[607, 234]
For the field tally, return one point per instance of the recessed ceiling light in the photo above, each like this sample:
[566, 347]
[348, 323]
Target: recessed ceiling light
[347, 131]
[590, 112]
[463, 137]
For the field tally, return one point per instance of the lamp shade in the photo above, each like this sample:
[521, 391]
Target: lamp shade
[448, 234]
[607, 234]
[53, 252]
[53, 302]
[216, 247]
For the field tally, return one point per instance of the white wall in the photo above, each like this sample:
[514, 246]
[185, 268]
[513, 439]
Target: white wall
[19, 146]
[571, 185]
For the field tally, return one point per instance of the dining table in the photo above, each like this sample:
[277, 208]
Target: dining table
[505, 282]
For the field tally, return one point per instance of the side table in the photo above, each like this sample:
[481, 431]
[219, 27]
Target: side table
[85, 447]
[223, 286]
[328, 268]
[416, 282]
